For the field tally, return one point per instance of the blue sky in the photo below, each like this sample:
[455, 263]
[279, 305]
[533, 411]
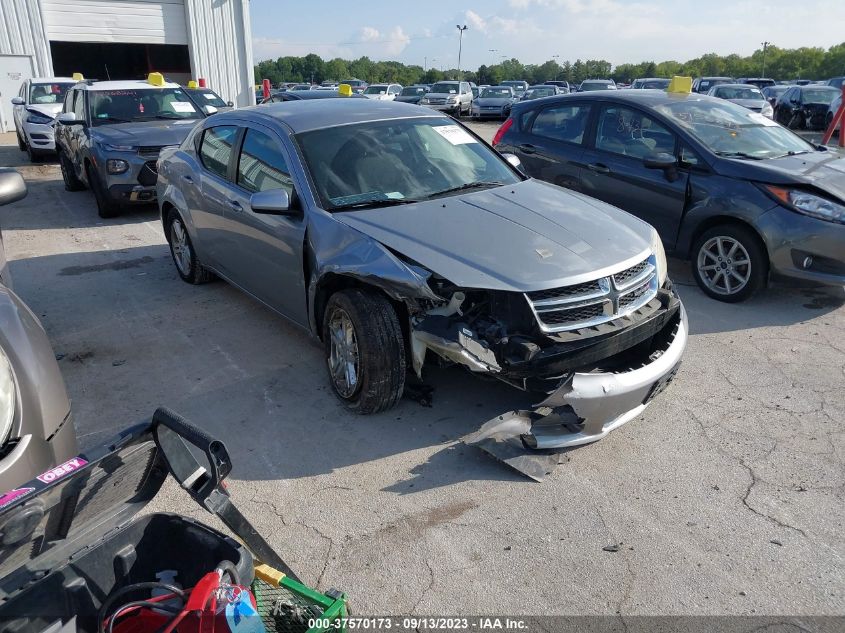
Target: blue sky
[535, 30]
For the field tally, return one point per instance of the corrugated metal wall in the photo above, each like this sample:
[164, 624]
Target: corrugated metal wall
[22, 33]
[135, 21]
[220, 39]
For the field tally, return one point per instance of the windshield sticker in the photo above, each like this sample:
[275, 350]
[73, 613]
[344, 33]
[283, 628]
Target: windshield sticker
[181, 106]
[454, 134]
[13, 495]
[62, 470]
[209, 96]
[761, 120]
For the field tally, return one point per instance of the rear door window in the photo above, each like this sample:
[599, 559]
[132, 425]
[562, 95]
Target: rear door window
[216, 148]
[630, 132]
[566, 123]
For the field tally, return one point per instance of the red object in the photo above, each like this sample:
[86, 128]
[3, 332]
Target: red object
[202, 82]
[501, 131]
[265, 84]
[838, 118]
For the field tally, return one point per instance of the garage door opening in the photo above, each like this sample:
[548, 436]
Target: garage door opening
[121, 61]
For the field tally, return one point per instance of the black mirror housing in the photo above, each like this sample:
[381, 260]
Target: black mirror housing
[660, 160]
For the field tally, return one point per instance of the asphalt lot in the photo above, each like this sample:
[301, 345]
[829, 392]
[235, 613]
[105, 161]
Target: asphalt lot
[726, 497]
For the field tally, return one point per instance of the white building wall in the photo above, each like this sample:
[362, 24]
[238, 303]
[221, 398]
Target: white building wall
[220, 43]
[22, 33]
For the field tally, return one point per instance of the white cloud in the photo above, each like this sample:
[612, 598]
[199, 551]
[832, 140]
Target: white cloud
[475, 21]
[368, 34]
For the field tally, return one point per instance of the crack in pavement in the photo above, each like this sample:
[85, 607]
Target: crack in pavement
[425, 591]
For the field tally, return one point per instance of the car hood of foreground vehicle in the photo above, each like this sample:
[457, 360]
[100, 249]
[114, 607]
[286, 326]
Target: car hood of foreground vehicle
[521, 237]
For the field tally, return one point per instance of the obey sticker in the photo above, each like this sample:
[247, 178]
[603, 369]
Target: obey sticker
[62, 470]
[10, 496]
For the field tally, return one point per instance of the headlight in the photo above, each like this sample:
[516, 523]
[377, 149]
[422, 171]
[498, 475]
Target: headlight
[38, 119]
[118, 148]
[116, 165]
[453, 99]
[424, 100]
[7, 397]
[659, 257]
[767, 110]
[809, 204]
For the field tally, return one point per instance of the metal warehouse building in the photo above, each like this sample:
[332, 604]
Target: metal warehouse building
[127, 39]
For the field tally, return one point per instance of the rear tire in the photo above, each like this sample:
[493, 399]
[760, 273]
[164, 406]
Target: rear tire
[72, 183]
[185, 259]
[729, 263]
[364, 350]
[33, 154]
[106, 208]
[21, 143]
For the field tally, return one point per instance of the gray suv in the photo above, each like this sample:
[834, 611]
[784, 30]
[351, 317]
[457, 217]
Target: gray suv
[36, 431]
[454, 97]
[110, 133]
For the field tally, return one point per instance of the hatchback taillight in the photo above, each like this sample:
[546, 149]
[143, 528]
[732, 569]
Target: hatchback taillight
[501, 131]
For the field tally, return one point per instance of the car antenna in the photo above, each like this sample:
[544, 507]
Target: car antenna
[106, 66]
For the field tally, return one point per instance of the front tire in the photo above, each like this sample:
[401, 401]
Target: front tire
[364, 350]
[21, 143]
[72, 183]
[729, 263]
[33, 154]
[105, 207]
[187, 263]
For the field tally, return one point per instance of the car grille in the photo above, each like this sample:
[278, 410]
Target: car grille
[148, 174]
[595, 302]
[436, 101]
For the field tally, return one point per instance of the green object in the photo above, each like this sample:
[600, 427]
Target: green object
[291, 607]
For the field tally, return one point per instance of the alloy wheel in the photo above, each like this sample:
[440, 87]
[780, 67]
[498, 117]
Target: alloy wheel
[181, 248]
[724, 265]
[343, 356]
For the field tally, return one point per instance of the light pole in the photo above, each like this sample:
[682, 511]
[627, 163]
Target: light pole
[765, 46]
[557, 70]
[461, 29]
[425, 63]
[493, 50]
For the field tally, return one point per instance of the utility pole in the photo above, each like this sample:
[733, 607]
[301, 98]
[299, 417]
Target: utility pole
[425, 63]
[461, 29]
[765, 46]
[557, 70]
[493, 50]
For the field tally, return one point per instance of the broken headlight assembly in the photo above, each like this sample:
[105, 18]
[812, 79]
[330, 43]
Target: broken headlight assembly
[808, 203]
[7, 396]
[660, 258]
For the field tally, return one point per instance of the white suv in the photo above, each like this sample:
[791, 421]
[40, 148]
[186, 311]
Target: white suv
[37, 104]
[454, 97]
[382, 92]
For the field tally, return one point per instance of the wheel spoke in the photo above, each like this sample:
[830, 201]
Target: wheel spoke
[732, 249]
[741, 262]
[739, 277]
[720, 247]
[708, 267]
[727, 279]
[710, 254]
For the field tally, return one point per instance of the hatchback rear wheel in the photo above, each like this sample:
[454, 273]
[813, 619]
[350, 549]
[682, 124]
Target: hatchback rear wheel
[729, 263]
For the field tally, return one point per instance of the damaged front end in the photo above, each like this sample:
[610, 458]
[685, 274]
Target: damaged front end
[599, 351]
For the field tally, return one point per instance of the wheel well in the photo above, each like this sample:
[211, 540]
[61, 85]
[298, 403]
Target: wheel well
[332, 283]
[719, 220]
[166, 209]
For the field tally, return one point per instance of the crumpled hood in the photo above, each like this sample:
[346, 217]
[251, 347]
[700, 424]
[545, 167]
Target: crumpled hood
[824, 170]
[751, 104]
[47, 109]
[145, 133]
[521, 237]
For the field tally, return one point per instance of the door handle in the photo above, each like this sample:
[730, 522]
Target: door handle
[526, 148]
[187, 178]
[235, 205]
[599, 168]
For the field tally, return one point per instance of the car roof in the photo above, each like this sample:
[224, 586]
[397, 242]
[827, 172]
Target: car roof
[646, 98]
[52, 80]
[751, 86]
[307, 115]
[598, 81]
[135, 84]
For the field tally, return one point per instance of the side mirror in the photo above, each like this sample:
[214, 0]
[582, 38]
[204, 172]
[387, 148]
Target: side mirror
[661, 160]
[209, 110]
[67, 118]
[514, 161]
[18, 101]
[230, 104]
[12, 186]
[272, 202]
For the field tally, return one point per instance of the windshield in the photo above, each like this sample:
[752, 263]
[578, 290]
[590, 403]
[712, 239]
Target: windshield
[445, 88]
[706, 84]
[412, 92]
[536, 93]
[730, 92]
[302, 87]
[397, 160]
[207, 97]
[48, 93]
[819, 95]
[657, 84]
[496, 93]
[731, 130]
[140, 104]
[376, 90]
[596, 85]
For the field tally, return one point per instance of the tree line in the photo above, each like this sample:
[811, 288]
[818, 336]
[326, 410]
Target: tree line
[778, 63]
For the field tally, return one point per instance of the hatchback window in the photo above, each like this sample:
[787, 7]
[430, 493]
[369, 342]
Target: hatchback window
[396, 161]
[261, 166]
[632, 133]
[562, 123]
[216, 148]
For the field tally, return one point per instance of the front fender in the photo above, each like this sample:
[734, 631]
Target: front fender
[336, 249]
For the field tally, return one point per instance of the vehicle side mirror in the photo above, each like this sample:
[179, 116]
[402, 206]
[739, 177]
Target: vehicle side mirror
[230, 104]
[514, 161]
[272, 202]
[12, 186]
[68, 118]
[209, 110]
[18, 101]
[661, 160]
